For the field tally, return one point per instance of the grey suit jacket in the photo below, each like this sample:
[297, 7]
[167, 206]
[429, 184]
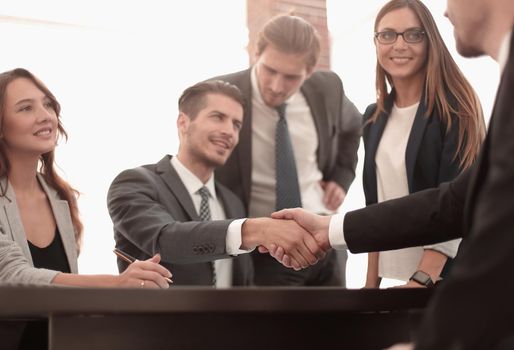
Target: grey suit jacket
[152, 212]
[16, 264]
[338, 125]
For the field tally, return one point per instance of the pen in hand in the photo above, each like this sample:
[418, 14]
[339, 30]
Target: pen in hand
[130, 259]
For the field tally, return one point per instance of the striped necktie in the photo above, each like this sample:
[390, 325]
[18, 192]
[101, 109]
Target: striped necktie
[205, 215]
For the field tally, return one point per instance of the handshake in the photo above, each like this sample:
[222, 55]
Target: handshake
[295, 237]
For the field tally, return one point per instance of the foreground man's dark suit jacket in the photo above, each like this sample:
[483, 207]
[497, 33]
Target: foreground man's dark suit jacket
[474, 307]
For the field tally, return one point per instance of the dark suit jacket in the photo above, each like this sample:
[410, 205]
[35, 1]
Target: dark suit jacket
[153, 213]
[337, 124]
[473, 308]
[429, 156]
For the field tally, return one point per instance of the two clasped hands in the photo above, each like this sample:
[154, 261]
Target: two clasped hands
[295, 237]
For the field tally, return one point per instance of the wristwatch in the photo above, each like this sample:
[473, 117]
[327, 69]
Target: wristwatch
[422, 278]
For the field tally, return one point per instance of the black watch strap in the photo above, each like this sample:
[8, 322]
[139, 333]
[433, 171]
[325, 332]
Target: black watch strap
[422, 278]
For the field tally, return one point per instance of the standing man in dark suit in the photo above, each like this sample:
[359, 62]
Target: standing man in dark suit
[473, 308]
[312, 163]
[176, 208]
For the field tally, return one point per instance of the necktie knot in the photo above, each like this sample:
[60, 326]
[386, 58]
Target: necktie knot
[281, 110]
[205, 212]
[204, 192]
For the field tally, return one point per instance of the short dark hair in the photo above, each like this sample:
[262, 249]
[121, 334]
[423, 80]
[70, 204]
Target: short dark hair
[193, 99]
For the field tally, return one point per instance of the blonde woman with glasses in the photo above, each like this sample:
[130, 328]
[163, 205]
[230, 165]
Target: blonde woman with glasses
[425, 128]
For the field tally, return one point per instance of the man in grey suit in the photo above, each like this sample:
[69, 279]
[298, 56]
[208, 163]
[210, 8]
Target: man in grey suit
[176, 208]
[324, 132]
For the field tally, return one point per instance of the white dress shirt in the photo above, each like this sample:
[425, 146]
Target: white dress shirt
[223, 267]
[304, 139]
[392, 183]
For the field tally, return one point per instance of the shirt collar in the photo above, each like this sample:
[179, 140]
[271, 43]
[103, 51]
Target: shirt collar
[190, 180]
[503, 55]
[255, 85]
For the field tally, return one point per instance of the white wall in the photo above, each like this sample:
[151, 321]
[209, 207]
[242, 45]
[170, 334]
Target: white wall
[118, 68]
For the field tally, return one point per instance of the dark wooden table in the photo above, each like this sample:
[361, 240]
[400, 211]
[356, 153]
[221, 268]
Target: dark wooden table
[203, 318]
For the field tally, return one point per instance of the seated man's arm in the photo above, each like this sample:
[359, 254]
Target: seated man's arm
[140, 217]
[138, 214]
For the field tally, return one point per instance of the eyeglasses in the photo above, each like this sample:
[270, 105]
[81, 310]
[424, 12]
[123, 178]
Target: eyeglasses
[411, 36]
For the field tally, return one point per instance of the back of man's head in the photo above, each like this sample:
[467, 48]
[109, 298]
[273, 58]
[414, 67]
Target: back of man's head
[292, 35]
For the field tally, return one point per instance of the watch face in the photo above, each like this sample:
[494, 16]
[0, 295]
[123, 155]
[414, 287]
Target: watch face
[422, 278]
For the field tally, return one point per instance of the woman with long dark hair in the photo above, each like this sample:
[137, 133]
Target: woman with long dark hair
[425, 128]
[40, 228]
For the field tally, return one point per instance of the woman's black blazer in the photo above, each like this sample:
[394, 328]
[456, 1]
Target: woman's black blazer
[429, 156]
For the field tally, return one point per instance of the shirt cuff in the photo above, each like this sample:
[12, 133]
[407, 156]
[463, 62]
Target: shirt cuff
[234, 240]
[335, 232]
[448, 248]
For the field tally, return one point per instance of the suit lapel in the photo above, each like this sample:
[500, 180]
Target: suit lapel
[15, 229]
[244, 148]
[176, 186]
[61, 211]
[374, 135]
[321, 119]
[220, 193]
[375, 132]
[414, 142]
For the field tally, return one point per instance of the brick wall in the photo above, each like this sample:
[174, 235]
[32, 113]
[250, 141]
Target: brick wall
[314, 11]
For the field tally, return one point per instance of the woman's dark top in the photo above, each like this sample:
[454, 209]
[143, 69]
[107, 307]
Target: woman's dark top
[52, 257]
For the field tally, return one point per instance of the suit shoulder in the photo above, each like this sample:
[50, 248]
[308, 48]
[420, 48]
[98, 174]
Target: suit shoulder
[327, 77]
[366, 125]
[369, 111]
[233, 78]
[140, 173]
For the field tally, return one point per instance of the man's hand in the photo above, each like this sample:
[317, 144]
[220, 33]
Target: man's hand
[317, 225]
[299, 245]
[334, 194]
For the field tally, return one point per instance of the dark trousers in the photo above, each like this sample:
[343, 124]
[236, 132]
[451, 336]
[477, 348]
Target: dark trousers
[329, 271]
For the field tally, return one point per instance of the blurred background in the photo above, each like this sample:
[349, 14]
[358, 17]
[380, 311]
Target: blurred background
[118, 67]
